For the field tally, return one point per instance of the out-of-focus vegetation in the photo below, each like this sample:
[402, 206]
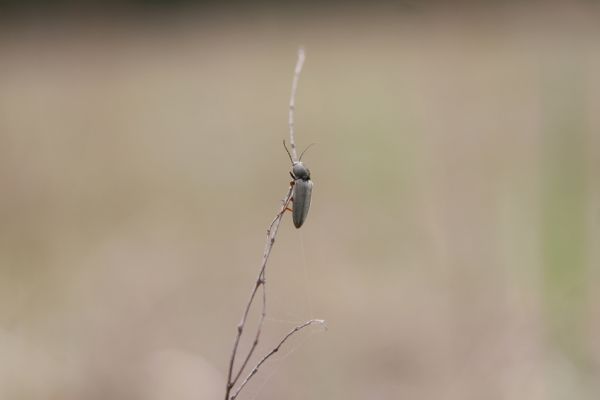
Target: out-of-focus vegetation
[453, 240]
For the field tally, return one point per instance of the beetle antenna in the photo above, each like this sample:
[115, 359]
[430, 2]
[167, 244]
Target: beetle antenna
[304, 151]
[289, 154]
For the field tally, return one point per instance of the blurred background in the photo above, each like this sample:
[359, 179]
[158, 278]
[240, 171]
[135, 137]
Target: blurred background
[453, 240]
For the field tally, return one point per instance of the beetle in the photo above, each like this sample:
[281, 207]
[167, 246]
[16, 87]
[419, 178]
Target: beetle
[301, 190]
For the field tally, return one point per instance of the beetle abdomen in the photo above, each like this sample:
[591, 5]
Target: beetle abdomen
[301, 196]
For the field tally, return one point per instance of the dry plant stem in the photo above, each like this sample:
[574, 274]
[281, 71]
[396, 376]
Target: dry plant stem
[275, 350]
[292, 109]
[233, 377]
[260, 281]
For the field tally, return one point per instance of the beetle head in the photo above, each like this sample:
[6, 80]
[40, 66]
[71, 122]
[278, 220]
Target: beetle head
[299, 171]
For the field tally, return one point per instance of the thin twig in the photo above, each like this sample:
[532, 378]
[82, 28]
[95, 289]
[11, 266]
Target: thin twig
[292, 109]
[275, 350]
[260, 281]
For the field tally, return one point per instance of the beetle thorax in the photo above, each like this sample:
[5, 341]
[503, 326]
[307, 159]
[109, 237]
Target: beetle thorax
[300, 171]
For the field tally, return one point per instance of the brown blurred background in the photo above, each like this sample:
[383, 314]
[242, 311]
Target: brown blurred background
[453, 241]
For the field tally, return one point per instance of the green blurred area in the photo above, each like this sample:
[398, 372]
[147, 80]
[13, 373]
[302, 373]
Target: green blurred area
[452, 243]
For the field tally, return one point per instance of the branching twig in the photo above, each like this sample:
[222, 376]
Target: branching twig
[275, 350]
[260, 281]
[233, 377]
